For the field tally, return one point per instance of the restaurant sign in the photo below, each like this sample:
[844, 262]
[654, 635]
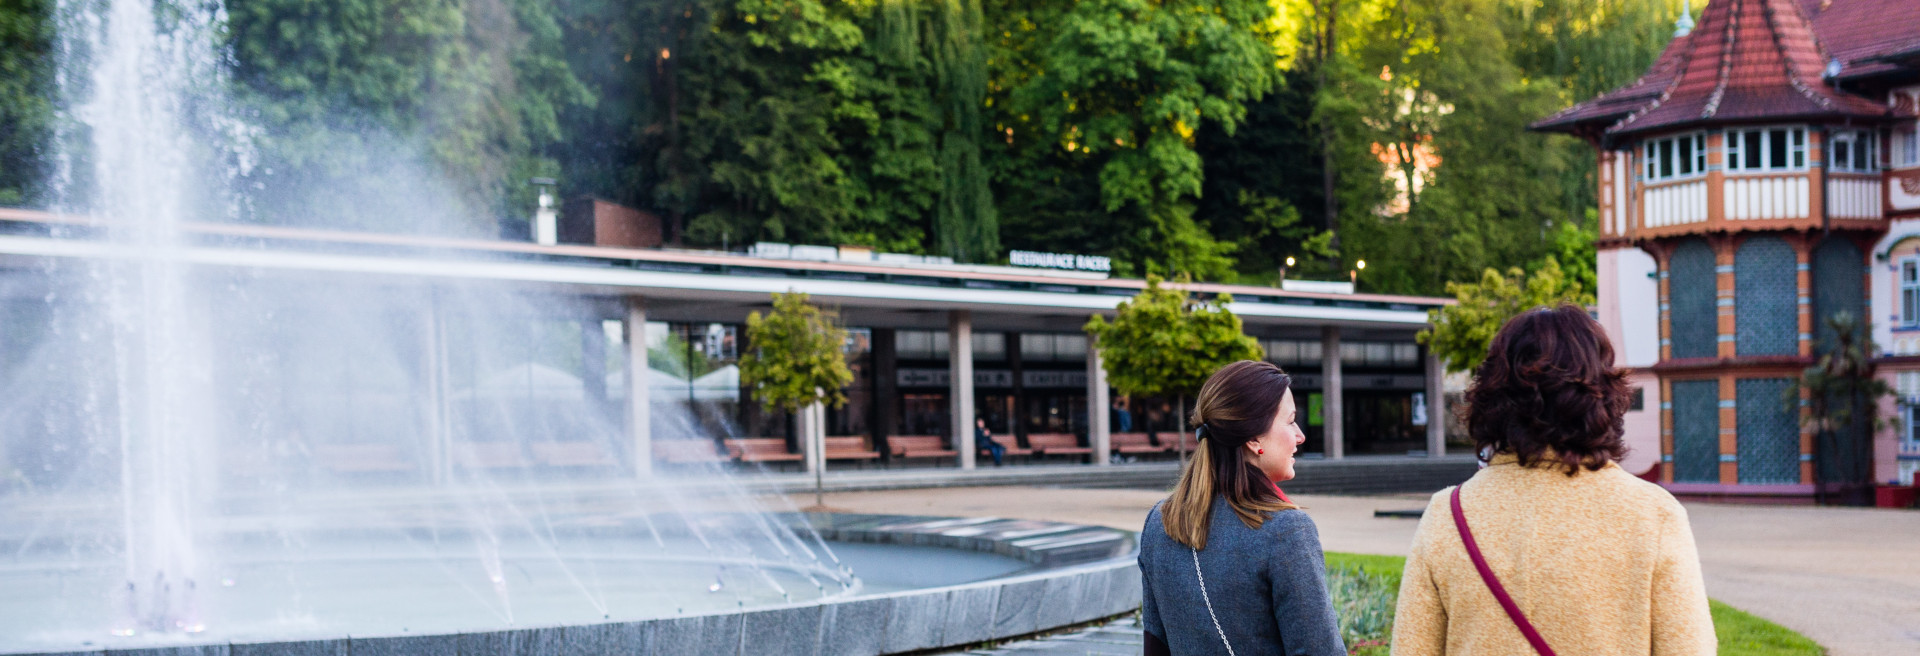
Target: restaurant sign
[1068, 261]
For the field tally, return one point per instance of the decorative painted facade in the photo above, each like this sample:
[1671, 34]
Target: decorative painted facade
[1762, 176]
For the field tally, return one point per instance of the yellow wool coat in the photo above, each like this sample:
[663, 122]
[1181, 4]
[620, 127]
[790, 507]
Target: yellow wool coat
[1601, 563]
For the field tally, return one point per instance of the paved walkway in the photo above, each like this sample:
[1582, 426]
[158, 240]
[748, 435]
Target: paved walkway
[1847, 578]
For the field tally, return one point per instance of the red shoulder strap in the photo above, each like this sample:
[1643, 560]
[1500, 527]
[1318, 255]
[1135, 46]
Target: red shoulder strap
[1493, 584]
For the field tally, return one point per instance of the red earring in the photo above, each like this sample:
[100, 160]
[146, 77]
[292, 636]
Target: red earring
[1260, 451]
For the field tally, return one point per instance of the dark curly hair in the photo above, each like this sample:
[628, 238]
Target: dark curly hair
[1548, 390]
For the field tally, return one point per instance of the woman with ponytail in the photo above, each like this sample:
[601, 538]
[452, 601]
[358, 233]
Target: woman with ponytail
[1227, 564]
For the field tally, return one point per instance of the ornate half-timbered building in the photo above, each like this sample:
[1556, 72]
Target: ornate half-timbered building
[1762, 176]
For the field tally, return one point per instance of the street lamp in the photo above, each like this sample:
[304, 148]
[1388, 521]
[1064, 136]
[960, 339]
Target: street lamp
[1283, 270]
[1353, 275]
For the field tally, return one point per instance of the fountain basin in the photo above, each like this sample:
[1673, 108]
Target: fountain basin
[924, 582]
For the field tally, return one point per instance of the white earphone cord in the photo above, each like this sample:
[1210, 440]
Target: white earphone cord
[1209, 603]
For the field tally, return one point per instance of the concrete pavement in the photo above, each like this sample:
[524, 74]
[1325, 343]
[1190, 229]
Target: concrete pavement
[1847, 578]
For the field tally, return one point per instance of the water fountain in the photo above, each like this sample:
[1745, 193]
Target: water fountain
[266, 460]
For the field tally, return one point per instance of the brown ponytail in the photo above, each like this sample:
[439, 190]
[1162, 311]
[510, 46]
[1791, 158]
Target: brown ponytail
[1237, 405]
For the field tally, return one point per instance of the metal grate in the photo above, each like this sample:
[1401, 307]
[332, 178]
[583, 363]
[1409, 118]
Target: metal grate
[1838, 286]
[1696, 431]
[1766, 314]
[1769, 435]
[1690, 297]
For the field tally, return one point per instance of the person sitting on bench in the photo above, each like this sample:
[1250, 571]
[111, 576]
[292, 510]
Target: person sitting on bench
[983, 440]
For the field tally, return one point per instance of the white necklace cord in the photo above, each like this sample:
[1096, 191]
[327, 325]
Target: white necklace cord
[1209, 602]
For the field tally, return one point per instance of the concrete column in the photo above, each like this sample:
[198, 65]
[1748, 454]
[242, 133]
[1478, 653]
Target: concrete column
[812, 420]
[1099, 434]
[1436, 407]
[960, 383]
[639, 398]
[1330, 406]
[434, 361]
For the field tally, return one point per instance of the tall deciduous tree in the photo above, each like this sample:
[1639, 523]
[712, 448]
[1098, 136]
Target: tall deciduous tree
[1162, 342]
[26, 106]
[365, 107]
[1113, 91]
[1461, 332]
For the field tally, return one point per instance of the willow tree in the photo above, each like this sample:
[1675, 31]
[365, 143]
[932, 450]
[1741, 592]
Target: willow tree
[945, 35]
[1162, 342]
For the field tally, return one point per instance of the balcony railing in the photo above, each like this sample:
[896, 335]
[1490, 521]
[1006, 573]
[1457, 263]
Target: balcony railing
[1853, 196]
[1676, 204]
[1763, 197]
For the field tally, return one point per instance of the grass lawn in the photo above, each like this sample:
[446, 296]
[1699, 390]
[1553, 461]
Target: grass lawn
[1364, 588]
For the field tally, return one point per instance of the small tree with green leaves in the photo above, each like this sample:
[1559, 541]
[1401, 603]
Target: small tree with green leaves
[797, 358]
[1461, 332]
[1163, 342]
[1842, 400]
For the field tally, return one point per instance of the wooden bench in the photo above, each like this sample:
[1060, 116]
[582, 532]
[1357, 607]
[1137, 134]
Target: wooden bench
[360, 458]
[573, 454]
[489, 455]
[1056, 444]
[1136, 443]
[762, 449]
[682, 452]
[849, 447]
[1011, 444]
[919, 446]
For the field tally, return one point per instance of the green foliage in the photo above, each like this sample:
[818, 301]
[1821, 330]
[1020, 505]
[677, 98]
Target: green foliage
[1364, 599]
[1742, 634]
[1461, 332]
[1843, 400]
[796, 355]
[1105, 96]
[1161, 342]
[366, 103]
[1210, 140]
[26, 106]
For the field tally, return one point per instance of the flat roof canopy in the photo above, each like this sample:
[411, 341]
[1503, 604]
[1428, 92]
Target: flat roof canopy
[683, 284]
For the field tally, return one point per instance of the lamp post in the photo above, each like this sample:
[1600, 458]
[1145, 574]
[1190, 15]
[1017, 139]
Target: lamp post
[1353, 275]
[1283, 270]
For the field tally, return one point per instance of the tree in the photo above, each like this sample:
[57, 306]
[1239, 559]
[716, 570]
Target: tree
[1461, 332]
[796, 360]
[26, 105]
[1163, 342]
[1842, 398]
[1105, 97]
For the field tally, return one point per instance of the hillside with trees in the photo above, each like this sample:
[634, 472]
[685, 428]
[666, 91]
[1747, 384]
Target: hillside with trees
[1202, 139]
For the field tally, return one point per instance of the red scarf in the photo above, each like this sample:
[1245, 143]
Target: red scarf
[1283, 495]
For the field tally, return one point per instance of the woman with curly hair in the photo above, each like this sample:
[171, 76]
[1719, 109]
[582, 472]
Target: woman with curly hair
[1552, 546]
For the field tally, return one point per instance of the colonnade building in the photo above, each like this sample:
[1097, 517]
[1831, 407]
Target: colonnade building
[419, 358]
[1762, 177]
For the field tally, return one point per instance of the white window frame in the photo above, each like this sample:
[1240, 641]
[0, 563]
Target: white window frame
[1909, 283]
[1906, 143]
[1733, 146]
[1663, 159]
[1853, 141]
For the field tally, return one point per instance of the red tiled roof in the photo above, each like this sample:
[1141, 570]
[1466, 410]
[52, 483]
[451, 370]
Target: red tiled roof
[1751, 60]
[1858, 31]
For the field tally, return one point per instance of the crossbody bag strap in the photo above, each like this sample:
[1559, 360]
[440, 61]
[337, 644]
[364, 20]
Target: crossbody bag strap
[1209, 603]
[1493, 584]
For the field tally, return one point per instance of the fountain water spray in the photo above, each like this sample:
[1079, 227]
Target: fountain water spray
[149, 67]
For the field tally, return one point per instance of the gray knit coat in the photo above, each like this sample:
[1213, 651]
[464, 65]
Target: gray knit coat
[1268, 588]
